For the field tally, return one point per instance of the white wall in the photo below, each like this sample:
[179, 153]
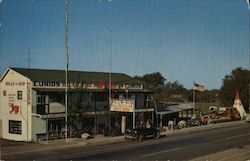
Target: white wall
[40, 127]
[11, 83]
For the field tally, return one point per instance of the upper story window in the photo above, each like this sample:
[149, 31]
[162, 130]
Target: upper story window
[19, 95]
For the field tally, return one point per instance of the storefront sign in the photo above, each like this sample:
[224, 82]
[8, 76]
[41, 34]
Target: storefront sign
[91, 85]
[124, 105]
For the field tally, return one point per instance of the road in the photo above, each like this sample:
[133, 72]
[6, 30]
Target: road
[175, 147]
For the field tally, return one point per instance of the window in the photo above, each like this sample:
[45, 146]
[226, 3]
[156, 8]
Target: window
[19, 95]
[15, 127]
[4, 93]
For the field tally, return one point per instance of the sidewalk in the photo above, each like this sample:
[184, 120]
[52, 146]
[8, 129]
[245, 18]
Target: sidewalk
[202, 127]
[60, 143]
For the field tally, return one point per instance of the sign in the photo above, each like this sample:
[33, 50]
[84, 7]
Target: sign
[122, 105]
[88, 85]
[28, 93]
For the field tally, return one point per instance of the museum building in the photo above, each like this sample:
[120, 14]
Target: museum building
[32, 101]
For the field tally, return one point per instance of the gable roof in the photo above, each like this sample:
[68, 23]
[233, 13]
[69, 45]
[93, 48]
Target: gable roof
[75, 76]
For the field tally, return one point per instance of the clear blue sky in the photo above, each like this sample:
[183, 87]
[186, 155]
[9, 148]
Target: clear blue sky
[185, 40]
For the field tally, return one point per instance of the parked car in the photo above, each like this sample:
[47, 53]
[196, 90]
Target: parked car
[142, 133]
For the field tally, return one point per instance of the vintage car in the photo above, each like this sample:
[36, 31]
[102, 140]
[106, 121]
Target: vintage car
[142, 133]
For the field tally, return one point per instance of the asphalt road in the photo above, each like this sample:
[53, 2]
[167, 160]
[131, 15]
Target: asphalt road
[175, 147]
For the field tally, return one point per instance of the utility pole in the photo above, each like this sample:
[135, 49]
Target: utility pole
[66, 72]
[28, 59]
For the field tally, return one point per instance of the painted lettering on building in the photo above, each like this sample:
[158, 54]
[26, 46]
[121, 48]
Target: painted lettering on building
[28, 93]
[14, 83]
[46, 84]
[89, 85]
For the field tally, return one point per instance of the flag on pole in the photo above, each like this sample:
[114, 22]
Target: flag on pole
[198, 87]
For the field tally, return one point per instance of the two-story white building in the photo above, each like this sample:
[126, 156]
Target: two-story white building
[32, 101]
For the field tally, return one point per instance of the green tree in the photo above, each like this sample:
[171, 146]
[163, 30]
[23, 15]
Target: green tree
[208, 96]
[76, 108]
[172, 92]
[238, 79]
[153, 80]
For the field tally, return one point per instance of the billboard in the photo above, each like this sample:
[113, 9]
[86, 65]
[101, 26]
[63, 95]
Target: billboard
[122, 105]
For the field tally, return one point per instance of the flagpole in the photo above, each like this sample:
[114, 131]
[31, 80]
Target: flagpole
[248, 7]
[66, 72]
[193, 101]
[110, 69]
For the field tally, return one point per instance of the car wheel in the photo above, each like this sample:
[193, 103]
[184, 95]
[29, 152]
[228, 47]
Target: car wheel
[157, 135]
[139, 137]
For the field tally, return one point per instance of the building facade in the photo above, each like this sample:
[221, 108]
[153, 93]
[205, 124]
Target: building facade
[32, 101]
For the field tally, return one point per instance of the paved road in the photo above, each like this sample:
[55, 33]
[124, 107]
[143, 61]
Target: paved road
[176, 147]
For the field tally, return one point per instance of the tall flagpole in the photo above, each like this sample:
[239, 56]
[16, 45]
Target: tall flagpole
[66, 72]
[110, 78]
[248, 5]
[193, 99]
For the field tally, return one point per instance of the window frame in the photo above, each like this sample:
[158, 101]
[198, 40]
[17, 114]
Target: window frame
[19, 95]
[15, 127]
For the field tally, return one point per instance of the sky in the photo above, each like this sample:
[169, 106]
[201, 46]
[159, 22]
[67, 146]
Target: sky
[184, 40]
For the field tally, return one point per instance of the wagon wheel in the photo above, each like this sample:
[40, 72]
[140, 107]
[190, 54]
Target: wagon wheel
[157, 135]
[139, 137]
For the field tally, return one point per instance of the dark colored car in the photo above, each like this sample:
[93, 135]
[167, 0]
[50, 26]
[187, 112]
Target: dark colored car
[142, 133]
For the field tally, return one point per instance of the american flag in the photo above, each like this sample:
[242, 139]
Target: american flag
[198, 87]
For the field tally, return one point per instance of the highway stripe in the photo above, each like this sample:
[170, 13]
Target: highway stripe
[160, 152]
[233, 137]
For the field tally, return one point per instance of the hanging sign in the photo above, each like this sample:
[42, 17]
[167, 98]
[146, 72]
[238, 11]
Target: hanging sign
[122, 105]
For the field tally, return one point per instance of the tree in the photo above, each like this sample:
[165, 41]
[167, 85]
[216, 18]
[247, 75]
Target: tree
[77, 107]
[208, 96]
[239, 79]
[172, 92]
[152, 80]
